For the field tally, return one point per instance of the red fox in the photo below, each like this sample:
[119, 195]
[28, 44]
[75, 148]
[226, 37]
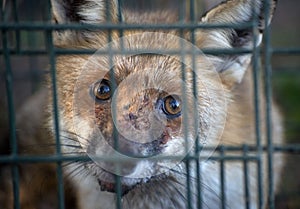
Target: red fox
[147, 101]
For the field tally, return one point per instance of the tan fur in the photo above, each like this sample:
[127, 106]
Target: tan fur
[222, 115]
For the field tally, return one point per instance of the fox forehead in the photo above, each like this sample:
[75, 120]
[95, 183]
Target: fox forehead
[149, 66]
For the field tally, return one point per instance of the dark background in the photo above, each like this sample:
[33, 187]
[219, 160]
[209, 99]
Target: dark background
[28, 72]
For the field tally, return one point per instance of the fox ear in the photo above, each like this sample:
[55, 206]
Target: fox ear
[81, 11]
[236, 12]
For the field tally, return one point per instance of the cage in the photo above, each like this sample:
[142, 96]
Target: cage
[28, 55]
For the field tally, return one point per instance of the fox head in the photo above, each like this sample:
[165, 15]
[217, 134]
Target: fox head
[148, 92]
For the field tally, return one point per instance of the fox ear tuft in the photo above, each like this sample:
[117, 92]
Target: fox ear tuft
[236, 12]
[81, 11]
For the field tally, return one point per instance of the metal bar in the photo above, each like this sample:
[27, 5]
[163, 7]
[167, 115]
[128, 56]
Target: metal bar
[188, 162]
[182, 11]
[118, 186]
[188, 183]
[58, 158]
[52, 60]
[11, 114]
[54, 158]
[16, 19]
[185, 119]
[222, 178]
[112, 26]
[199, 185]
[195, 93]
[255, 75]
[268, 98]
[12, 121]
[278, 51]
[131, 52]
[246, 178]
[285, 51]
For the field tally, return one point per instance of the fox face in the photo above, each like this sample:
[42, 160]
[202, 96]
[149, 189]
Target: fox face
[149, 94]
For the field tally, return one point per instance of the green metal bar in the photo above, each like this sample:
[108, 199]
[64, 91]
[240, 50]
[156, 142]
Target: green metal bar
[290, 149]
[188, 183]
[198, 147]
[194, 86]
[199, 185]
[9, 89]
[112, 26]
[222, 178]
[246, 177]
[129, 52]
[12, 121]
[185, 119]
[117, 178]
[113, 105]
[58, 158]
[52, 60]
[182, 11]
[285, 51]
[255, 75]
[121, 32]
[278, 51]
[268, 97]
[16, 19]
[120, 18]
[11, 114]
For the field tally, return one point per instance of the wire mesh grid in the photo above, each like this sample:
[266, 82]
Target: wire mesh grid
[13, 32]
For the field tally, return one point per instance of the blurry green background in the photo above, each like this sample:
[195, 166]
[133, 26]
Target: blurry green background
[286, 89]
[28, 71]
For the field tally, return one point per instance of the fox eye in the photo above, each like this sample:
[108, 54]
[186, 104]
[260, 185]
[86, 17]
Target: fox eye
[102, 90]
[172, 106]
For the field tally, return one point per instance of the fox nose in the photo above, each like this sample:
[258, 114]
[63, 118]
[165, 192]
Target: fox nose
[132, 152]
[135, 149]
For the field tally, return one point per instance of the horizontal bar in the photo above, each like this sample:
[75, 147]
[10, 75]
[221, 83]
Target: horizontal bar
[8, 159]
[275, 51]
[285, 51]
[121, 26]
[127, 52]
[292, 149]
[288, 148]
[155, 51]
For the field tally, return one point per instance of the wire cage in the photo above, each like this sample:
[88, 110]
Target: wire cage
[27, 48]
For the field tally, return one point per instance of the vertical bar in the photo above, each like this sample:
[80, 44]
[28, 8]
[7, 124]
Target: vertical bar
[183, 88]
[222, 178]
[268, 96]
[188, 183]
[246, 177]
[16, 19]
[192, 11]
[31, 40]
[115, 136]
[182, 10]
[199, 185]
[120, 21]
[185, 119]
[120, 18]
[11, 114]
[199, 147]
[52, 60]
[118, 188]
[255, 63]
